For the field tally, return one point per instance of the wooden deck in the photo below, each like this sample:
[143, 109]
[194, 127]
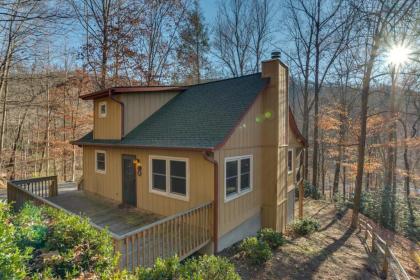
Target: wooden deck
[140, 237]
[102, 212]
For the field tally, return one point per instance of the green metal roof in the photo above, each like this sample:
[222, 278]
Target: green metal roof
[202, 116]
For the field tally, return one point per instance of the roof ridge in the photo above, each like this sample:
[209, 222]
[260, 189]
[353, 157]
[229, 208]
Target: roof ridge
[222, 80]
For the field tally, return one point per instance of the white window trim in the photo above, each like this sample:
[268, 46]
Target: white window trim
[100, 114]
[96, 162]
[290, 171]
[168, 193]
[251, 177]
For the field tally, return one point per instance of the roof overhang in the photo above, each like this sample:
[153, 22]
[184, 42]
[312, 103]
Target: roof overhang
[295, 129]
[134, 89]
[119, 145]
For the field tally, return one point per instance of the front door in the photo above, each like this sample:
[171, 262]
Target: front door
[129, 196]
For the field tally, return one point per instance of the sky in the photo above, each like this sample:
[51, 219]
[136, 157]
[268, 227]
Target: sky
[209, 9]
[73, 37]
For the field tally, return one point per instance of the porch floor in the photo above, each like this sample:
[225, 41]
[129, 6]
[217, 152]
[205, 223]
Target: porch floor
[102, 212]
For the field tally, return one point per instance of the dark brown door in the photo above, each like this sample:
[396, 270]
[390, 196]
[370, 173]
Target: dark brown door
[129, 194]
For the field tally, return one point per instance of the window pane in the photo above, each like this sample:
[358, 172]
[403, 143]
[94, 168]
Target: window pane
[100, 157]
[178, 186]
[245, 182]
[231, 185]
[289, 160]
[245, 165]
[103, 109]
[178, 168]
[159, 166]
[100, 161]
[159, 182]
[231, 168]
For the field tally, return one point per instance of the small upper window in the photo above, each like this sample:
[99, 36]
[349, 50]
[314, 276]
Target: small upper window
[238, 176]
[290, 161]
[100, 161]
[102, 109]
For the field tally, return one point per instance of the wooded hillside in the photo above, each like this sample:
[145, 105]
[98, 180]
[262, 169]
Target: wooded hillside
[354, 68]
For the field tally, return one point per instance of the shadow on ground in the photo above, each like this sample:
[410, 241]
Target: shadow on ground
[334, 252]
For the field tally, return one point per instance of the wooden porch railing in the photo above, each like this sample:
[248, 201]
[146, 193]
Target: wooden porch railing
[181, 234]
[21, 191]
[378, 245]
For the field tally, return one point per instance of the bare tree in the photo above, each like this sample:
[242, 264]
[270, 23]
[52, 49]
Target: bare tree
[242, 33]
[376, 19]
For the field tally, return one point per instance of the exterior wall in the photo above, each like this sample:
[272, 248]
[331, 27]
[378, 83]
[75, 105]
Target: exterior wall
[293, 143]
[109, 185]
[263, 133]
[138, 107]
[108, 127]
[244, 141]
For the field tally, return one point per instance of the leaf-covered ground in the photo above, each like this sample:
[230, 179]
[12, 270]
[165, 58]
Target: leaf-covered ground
[334, 252]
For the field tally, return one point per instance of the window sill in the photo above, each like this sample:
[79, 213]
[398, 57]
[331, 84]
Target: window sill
[235, 196]
[170, 195]
[103, 172]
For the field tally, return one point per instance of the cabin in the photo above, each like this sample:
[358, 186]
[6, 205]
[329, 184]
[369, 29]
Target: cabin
[230, 147]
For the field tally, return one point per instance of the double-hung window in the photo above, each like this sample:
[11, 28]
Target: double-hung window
[238, 176]
[299, 162]
[169, 176]
[102, 109]
[100, 161]
[290, 161]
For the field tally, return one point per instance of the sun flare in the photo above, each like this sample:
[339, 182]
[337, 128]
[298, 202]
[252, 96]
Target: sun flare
[398, 55]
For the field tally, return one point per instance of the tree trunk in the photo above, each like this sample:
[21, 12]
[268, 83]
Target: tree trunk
[363, 123]
[323, 168]
[344, 182]
[316, 98]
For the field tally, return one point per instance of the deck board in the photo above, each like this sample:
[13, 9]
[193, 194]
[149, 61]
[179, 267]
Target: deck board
[104, 213]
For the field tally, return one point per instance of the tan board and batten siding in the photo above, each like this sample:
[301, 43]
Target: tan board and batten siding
[296, 146]
[109, 185]
[138, 107]
[108, 127]
[264, 136]
[263, 133]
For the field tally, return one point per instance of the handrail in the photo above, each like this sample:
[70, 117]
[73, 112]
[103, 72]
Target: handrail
[30, 180]
[181, 234]
[164, 220]
[41, 186]
[52, 204]
[386, 250]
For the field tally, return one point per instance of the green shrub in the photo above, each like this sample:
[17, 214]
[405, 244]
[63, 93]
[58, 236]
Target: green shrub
[305, 226]
[12, 259]
[311, 191]
[161, 270]
[31, 229]
[80, 246]
[203, 268]
[208, 268]
[257, 252]
[272, 238]
[46, 243]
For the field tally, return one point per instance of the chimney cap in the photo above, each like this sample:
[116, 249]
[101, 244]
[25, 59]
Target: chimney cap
[275, 54]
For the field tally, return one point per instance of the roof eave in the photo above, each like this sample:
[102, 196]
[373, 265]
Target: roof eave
[121, 90]
[118, 145]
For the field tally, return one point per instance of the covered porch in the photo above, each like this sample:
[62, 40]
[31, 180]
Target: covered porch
[139, 236]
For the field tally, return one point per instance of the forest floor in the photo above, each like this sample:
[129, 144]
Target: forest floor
[334, 252]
